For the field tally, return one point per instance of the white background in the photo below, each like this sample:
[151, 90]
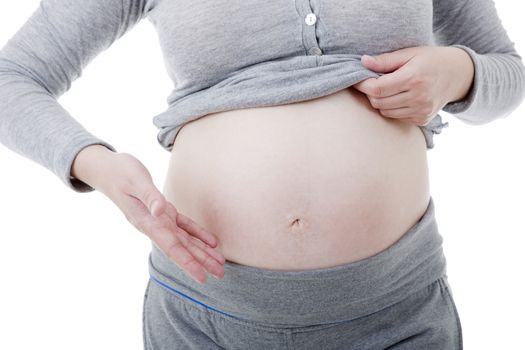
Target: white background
[73, 270]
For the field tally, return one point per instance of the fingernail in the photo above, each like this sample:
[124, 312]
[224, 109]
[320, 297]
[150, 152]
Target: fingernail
[217, 276]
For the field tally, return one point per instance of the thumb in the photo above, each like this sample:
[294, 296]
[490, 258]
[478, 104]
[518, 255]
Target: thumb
[387, 62]
[153, 199]
[157, 206]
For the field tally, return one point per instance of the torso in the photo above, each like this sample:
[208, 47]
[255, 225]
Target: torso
[301, 186]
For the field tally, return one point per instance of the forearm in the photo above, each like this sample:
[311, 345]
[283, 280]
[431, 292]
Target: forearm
[462, 72]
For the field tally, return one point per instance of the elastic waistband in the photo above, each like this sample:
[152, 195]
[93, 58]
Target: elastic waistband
[317, 296]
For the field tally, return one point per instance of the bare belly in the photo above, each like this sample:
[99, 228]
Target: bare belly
[301, 186]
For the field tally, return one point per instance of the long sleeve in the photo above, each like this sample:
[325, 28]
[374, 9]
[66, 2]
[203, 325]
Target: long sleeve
[499, 74]
[40, 62]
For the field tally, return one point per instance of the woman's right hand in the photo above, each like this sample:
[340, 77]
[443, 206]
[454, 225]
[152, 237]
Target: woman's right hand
[128, 184]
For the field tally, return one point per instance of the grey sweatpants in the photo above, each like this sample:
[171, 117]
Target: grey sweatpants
[397, 299]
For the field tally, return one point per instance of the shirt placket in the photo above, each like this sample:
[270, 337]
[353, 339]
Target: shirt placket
[309, 21]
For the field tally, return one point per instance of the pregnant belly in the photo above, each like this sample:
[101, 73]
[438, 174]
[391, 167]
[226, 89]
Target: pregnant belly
[305, 185]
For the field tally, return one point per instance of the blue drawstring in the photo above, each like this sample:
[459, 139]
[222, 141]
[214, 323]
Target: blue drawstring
[187, 296]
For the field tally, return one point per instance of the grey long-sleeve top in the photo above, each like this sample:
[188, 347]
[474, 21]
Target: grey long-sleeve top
[230, 54]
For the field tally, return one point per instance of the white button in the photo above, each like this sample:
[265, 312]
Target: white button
[310, 19]
[315, 51]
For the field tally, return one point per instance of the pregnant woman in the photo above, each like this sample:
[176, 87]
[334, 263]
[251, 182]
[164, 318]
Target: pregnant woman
[298, 175]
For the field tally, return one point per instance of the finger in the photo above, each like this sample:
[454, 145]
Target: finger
[152, 198]
[209, 250]
[413, 121]
[171, 215]
[191, 227]
[136, 213]
[389, 61]
[182, 257]
[172, 245]
[400, 100]
[158, 206]
[361, 86]
[387, 84]
[200, 251]
[176, 249]
[403, 112]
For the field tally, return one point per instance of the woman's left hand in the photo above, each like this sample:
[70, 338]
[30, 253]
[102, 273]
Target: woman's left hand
[420, 82]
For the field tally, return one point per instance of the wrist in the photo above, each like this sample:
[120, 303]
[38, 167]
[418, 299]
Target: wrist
[462, 74]
[87, 163]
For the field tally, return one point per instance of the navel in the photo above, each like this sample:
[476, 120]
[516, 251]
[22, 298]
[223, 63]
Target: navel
[297, 223]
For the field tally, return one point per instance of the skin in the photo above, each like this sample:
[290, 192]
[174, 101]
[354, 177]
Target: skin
[420, 82]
